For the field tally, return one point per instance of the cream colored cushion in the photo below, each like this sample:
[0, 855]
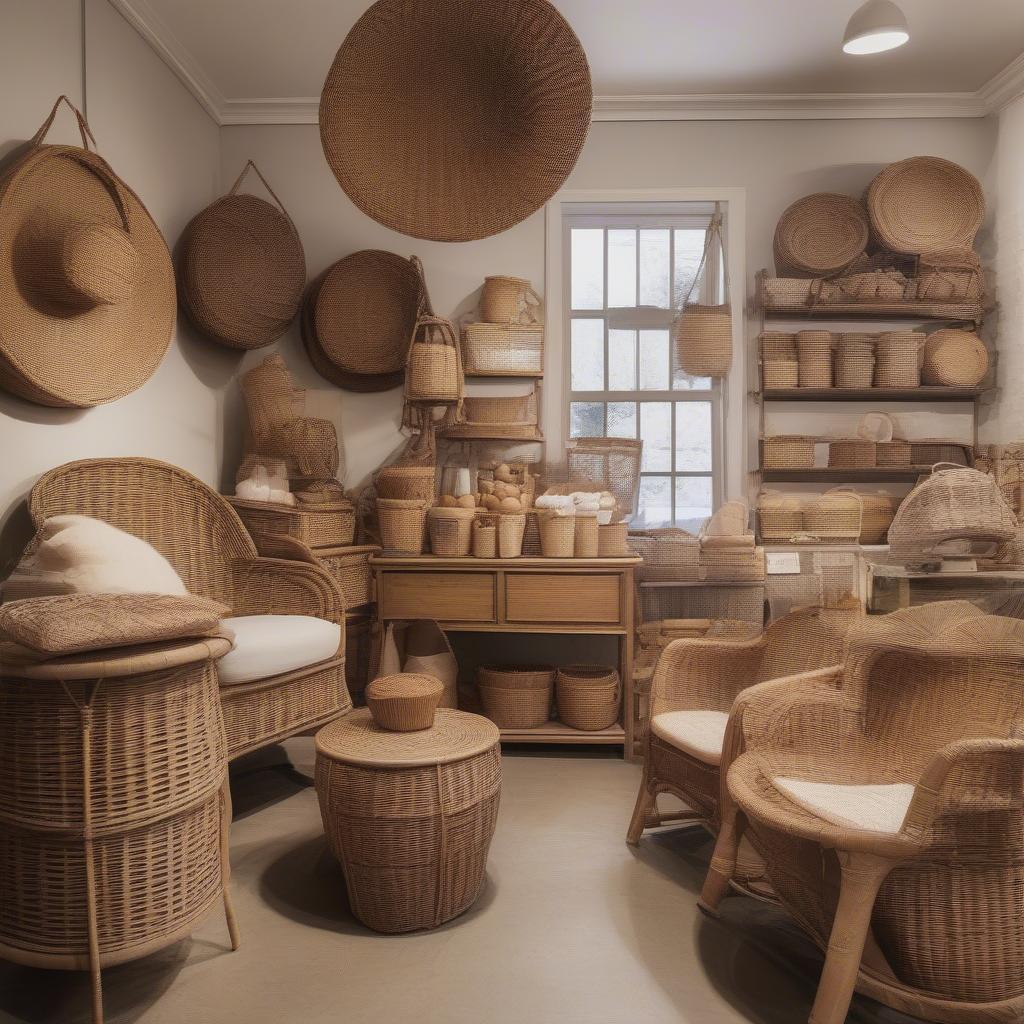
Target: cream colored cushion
[698, 733]
[872, 808]
[82, 555]
[270, 645]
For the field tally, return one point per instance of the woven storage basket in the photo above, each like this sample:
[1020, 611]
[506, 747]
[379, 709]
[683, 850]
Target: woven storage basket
[834, 516]
[954, 359]
[503, 349]
[950, 276]
[787, 293]
[485, 539]
[851, 453]
[896, 452]
[511, 530]
[788, 451]
[516, 696]
[780, 516]
[929, 451]
[405, 702]
[612, 542]
[613, 463]
[587, 697]
[319, 526]
[350, 569]
[821, 234]
[433, 372]
[507, 300]
[855, 361]
[814, 352]
[722, 564]
[402, 525]
[898, 359]
[924, 204]
[703, 333]
[508, 416]
[531, 534]
[780, 367]
[557, 535]
[668, 554]
[408, 482]
[878, 510]
[451, 531]
[585, 536]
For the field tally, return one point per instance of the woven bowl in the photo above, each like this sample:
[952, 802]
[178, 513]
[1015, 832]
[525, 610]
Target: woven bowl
[821, 233]
[954, 359]
[404, 702]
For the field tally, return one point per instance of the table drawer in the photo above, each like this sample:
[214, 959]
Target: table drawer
[563, 597]
[445, 596]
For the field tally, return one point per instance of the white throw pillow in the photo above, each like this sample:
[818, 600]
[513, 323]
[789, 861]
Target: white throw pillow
[82, 555]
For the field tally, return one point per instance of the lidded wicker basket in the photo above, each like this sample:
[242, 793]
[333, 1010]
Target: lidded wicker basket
[451, 531]
[954, 359]
[405, 702]
[402, 524]
[587, 696]
[516, 696]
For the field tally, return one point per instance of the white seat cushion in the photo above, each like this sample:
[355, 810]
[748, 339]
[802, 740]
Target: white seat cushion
[872, 808]
[699, 733]
[270, 645]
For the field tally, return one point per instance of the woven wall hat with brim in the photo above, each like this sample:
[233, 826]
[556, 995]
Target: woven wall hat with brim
[241, 268]
[454, 119]
[87, 286]
[358, 317]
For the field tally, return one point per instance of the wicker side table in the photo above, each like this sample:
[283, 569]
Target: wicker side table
[114, 807]
[410, 815]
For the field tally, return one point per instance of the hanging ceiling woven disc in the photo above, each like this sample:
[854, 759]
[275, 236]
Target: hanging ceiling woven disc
[241, 269]
[924, 204]
[454, 119]
[87, 309]
[821, 233]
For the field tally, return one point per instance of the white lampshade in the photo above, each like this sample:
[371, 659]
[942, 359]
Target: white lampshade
[876, 26]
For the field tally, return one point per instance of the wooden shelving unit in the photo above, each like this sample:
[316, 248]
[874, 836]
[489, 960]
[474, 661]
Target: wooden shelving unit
[556, 732]
[921, 394]
[827, 474]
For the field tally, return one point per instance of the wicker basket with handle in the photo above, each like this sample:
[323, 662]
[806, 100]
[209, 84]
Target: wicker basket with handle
[516, 696]
[587, 696]
[508, 300]
[433, 372]
[704, 332]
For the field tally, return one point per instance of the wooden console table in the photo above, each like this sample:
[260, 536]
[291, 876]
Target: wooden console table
[581, 596]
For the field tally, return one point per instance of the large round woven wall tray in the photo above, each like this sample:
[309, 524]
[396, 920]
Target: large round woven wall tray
[241, 269]
[87, 306]
[925, 203]
[821, 233]
[454, 119]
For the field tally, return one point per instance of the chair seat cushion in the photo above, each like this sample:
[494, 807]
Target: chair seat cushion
[699, 733]
[871, 808]
[270, 645]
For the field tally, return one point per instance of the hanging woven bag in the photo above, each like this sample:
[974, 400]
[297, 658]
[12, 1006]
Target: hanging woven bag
[704, 332]
[434, 370]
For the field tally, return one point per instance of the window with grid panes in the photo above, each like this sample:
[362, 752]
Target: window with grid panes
[629, 274]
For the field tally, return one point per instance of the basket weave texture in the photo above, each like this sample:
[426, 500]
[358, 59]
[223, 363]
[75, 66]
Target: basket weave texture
[516, 696]
[587, 696]
[511, 531]
[821, 234]
[557, 535]
[503, 349]
[451, 531]
[405, 702]
[954, 358]
[402, 525]
[613, 463]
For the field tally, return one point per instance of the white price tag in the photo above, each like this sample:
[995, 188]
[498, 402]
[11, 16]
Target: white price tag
[782, 563]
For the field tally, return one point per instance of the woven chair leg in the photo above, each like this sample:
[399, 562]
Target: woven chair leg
[862, 877]
[717, 884]
[646, 805]
[225, 864]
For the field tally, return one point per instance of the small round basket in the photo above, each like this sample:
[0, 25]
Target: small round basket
[451, 531]
[504, 299]
[402, 525]
[485, 539]
[557, 535]
[898, 359]
[404, 702]
[516, 696]
[814, 354]
[780, 367]
[406, 482]
[511, 530]
[855, 361]
[954, 359]
[821, 234]
[587, 696]
[611, 541]
[585, 536]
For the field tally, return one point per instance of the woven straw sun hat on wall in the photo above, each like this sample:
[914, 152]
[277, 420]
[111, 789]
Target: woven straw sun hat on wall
[87, 307]
[241, 268]
[453, 120]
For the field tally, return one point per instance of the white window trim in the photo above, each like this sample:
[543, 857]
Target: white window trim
[556, 351]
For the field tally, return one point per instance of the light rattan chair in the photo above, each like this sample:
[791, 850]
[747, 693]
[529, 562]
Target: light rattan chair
[694, 686]
[203, 538]
[888, 804]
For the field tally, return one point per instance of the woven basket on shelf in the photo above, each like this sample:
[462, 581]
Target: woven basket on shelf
[930, 450]
[851, 453]
[350, 568]
[409, 482]
[317, 526]
[531, 534]
[780, 367]
[557, 535]
[587, 696]
[508, 300]
[612, 542]
[611, 462]
[503, 349]
[402, 524]
[451, 531]
[511, 529]
[925, 203]
[516, 696]
[855, 361]
[814, 352]
[727, 564]
[820, 234]
[950, 276]
[878, 510]
[433, 372]
[585, 536]
[896, 452]
[780, 516]
[898, 359]
[485, 538]
[668, 554]
[507, 416]
[954, 359]
[788, 451]
[834, 516]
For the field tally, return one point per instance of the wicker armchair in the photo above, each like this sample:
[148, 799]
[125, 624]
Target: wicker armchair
[694, 686]
[889, 809]
[205, 541]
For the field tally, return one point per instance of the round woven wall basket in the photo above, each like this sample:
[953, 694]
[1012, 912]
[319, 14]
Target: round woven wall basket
[358, 318]
[954, 358]
[821, 233]
[87, 301]
[454, 120]
[924, 204]
[241, 269]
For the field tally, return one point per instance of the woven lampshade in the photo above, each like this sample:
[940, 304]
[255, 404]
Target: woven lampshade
[87, 304]
[924, 204]
[452, 119]
[821, 233]
[241, 269]
[358, 317]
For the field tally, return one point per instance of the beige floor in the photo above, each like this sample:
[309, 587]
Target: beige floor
[573, 927]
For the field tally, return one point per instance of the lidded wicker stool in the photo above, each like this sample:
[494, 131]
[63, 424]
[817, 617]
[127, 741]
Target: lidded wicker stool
[404, 702]
[410, 815]
[114, 807]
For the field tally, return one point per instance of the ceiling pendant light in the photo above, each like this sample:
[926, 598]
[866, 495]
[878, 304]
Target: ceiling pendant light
[876, 26]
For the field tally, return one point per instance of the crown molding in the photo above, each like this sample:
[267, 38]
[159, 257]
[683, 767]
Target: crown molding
[995, 94]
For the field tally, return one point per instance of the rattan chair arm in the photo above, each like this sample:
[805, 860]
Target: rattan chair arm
[280, 545]
[704, 673]
[276, 586]
[957, 776]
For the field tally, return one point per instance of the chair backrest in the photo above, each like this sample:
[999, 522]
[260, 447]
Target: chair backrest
[806, 640]
[190, 524]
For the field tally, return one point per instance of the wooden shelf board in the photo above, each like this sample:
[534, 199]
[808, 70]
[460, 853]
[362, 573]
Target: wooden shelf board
[713, 584]
[556, 732]
[509, 374]
[826, 475]
[922, 394]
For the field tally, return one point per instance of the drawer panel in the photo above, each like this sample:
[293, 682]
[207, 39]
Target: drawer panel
[446, 596]
[563, 597]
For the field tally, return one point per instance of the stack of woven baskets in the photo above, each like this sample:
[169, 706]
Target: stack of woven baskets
[508, 338]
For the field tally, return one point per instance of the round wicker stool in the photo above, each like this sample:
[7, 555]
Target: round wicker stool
[114, 807]
[410, 815]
